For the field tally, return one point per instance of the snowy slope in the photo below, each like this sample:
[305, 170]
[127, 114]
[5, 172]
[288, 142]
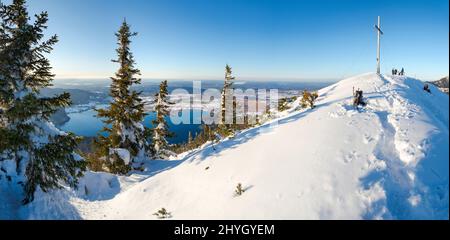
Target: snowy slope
[387, 161]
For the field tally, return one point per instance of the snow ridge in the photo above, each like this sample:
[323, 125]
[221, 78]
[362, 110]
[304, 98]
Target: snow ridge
[388, 160]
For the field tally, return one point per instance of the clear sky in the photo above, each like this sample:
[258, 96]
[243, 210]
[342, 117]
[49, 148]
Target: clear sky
[260, 39]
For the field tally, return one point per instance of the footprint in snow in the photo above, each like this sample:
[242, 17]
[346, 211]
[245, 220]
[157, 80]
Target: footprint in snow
[351, 123]
[350, 157]
[367, 139]
[340, 111]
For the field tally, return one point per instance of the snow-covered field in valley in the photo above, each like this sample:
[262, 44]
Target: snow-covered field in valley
[389, 160]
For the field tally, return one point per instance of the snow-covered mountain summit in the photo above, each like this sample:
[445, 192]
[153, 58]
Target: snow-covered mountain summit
[388, 160]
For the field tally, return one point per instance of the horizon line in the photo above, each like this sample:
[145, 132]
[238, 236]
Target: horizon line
[213, 79]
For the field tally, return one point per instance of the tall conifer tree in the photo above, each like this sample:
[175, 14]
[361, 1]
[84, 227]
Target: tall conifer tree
[125, 114]
[44, 157]
[227, 93]
[161, 131]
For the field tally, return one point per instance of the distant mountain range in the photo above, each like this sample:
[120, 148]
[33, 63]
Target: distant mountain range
[77, 96]
[442, 84]
[60, 117]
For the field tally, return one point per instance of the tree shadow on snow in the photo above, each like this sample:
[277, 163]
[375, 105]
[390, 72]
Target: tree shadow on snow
[158, 166]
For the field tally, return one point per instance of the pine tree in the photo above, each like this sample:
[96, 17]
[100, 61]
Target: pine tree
[160, 131]
[239, 190]
[44, 157]
[226, 91]
[125, 113]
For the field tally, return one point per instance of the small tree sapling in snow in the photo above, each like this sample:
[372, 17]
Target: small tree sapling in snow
[239, 190]
[162, 214]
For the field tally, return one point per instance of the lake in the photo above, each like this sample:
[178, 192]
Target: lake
[86, 124]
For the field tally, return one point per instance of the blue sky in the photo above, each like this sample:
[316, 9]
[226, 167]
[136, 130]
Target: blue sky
[260, 39]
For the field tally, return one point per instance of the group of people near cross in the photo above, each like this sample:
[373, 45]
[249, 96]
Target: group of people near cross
[397, 72]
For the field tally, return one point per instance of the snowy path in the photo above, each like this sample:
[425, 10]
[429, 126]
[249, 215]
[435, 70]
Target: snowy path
[387, 161]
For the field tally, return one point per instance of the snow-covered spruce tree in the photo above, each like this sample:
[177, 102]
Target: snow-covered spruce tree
[160, 131]
[33, 153]
[125, 142]
[227, 92]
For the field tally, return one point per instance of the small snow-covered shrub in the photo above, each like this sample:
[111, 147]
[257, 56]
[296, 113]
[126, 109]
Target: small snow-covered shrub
[117, 164]
[239, 190]
[163, 214]
[123, 154]
[224, 131]
[308, 99]
[284, 103]
[94, 162]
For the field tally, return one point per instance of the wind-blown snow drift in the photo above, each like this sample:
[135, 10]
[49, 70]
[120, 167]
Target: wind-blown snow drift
[386, 161]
